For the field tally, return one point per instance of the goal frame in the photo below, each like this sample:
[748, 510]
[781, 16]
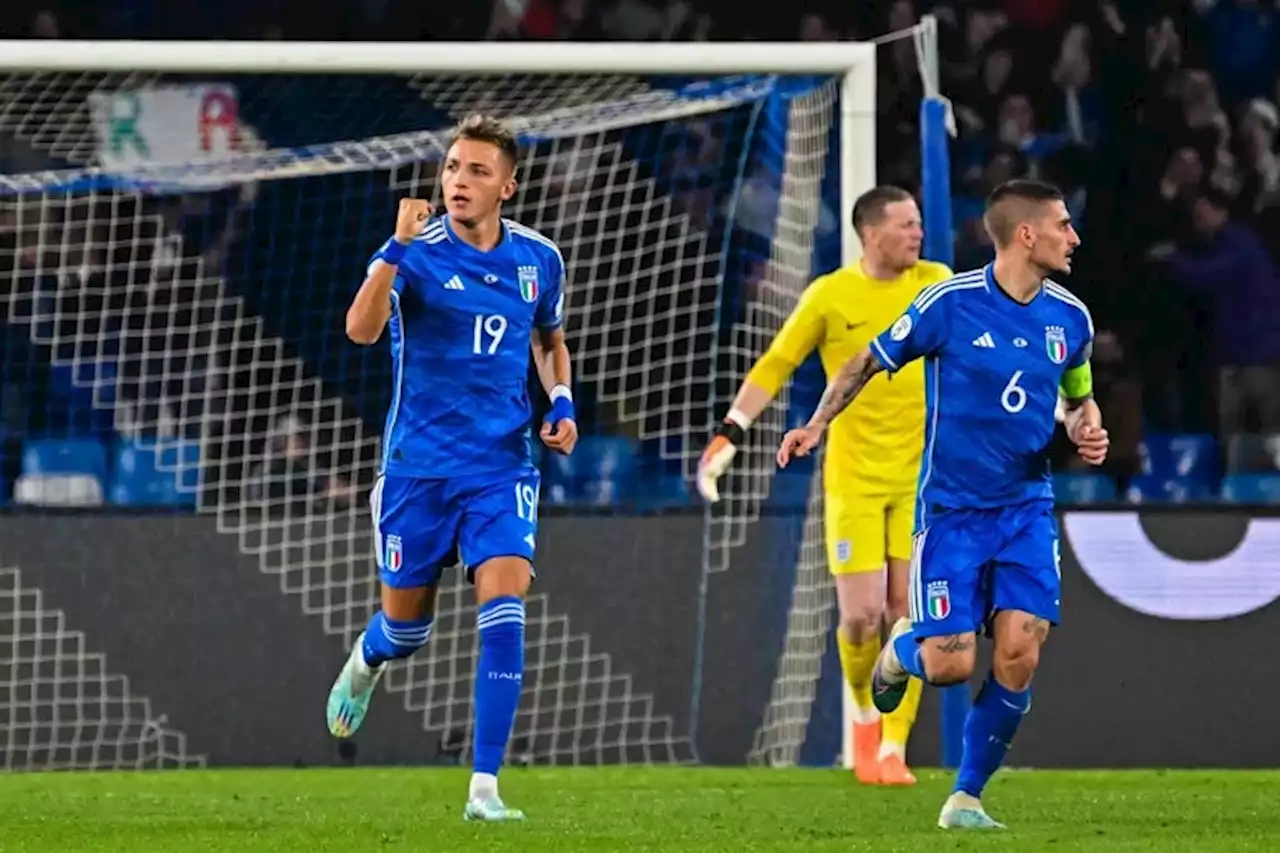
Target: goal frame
[853, 62]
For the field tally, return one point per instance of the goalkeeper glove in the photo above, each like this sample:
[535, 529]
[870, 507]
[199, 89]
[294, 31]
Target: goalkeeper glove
[720, 452]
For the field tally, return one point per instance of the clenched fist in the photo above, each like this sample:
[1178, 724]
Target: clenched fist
[410, 219]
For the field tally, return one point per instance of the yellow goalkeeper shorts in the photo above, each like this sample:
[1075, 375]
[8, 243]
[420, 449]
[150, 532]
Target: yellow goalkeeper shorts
[864, 530]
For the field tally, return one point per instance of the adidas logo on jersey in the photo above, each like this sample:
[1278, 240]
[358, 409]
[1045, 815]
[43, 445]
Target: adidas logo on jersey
[985, 341]
[454, 283]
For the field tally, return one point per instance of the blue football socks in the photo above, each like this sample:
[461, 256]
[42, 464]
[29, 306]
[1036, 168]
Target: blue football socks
[499, 677]
[993, 720]
[907, 648]
[386, 639]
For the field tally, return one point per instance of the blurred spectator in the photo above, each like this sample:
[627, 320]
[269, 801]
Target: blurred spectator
[1017, 126]
[1068, 168]
[1260, 187]
[1242, 40]
[544, 19]
[1158, 118]
[973, 244]
[1163, 209]
[816, 28]
[1036, 16]
[288, 479]
[45, 25]
[1233, 266]
[638, 20]
[1073, 75]
[980, 105]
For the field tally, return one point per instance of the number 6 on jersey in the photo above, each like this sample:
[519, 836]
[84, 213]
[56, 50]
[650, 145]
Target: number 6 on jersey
[1014, 396]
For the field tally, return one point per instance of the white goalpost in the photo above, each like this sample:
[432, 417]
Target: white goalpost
[188, 214]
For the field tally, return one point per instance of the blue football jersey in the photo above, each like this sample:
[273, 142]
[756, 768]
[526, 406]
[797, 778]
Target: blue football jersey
[992, 371]
[461, 323]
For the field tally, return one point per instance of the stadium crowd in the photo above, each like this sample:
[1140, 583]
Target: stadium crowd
[1159, 118]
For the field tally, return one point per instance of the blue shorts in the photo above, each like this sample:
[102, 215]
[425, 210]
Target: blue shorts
[967, 564]
[422, 527]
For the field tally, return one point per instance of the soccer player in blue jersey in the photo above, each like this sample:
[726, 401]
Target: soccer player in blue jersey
[467, 296]
[1001, 345]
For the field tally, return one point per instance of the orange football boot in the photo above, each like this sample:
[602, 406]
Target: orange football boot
[866, 752]
[894, 771]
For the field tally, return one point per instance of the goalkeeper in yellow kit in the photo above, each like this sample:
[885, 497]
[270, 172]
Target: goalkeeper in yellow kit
[872, 458]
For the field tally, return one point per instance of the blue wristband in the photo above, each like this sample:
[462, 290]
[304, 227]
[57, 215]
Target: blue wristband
[561, 405]
[393, 252]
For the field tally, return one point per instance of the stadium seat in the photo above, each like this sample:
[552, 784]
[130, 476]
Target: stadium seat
[789, 490]
[660, 475]
[1254, 488]
[1074, 487]
[144, 475]
[58, 490]
[1181, 458]
[600, 472]
[665, 491]
[1251, 453]
[1148, 488]
[72, 456]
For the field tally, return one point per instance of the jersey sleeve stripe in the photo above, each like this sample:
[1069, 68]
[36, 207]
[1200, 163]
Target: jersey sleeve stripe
[923, 301]
[538, 238]
[879, 353]
[1063, 295]
[528, 233]
[433, 233]
[397, 392]
[934, 289]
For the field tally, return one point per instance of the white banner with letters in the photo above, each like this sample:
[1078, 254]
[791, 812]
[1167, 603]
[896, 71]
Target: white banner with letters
[165, 125]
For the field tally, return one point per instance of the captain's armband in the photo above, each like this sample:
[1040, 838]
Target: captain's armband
[1077, 382]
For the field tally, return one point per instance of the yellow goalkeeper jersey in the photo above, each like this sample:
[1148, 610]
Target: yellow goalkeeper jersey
[874, 445]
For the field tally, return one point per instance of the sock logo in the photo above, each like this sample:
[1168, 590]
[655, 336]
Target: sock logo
[506, 676]
[1116, 553]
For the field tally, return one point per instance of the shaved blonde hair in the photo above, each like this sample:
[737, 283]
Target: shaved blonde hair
[1015, 203]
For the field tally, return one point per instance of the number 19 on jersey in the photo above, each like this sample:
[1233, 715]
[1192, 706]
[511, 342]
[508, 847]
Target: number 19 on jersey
[487, 334]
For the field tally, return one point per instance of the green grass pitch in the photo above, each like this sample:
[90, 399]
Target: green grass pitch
[628, 809]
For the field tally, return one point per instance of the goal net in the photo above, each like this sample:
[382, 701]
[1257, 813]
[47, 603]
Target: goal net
[177, 252]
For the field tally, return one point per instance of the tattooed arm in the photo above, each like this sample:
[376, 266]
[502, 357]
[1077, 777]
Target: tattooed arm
[852, 377]
[920, 331]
